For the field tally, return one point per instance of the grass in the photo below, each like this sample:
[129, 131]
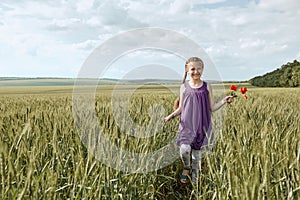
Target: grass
[257, 155]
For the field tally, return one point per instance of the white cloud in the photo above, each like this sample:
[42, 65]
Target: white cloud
[207, 1]
[114, 15]
[238, 21]
[256, 44]
[84, 5]
[63, 24]
[279, 5]
[179, 6]
[87, 45]
[93, 21]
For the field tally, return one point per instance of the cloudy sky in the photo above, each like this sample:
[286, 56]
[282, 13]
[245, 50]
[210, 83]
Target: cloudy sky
[53, 38]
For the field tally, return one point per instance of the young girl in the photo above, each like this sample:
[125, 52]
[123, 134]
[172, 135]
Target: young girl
[196, 103]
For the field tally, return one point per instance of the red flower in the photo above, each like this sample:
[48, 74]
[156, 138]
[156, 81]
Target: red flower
[233, 87]
[243, 90]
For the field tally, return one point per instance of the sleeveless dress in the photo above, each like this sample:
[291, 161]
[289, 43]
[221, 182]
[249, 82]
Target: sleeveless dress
[195, 120]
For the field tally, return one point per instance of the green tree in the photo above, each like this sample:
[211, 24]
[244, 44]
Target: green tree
[286, 76]
[296, 77]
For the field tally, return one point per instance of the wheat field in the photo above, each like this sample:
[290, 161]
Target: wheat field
[257, 155]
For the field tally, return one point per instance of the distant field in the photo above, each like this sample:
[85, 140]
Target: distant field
[65, 86]
[257, 155]
[70, 81]
[47, 82]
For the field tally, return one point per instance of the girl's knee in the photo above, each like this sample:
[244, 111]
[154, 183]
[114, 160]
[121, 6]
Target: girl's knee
[196, 157]
[196, 154]
[185, 149]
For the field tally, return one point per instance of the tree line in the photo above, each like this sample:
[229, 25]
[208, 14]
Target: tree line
[286, 76]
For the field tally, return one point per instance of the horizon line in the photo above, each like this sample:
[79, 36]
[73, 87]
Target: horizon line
[107, 78]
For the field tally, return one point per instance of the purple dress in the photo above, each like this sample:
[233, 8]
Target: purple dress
[195, 119]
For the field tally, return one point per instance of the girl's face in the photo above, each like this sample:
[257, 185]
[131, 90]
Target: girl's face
[194, 70]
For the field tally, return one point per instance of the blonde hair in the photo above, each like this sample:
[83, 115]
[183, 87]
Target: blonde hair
[191, 59]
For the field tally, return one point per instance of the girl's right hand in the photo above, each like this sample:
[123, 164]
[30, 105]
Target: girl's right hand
[167, 118]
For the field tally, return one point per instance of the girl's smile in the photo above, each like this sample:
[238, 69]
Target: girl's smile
[195, 69]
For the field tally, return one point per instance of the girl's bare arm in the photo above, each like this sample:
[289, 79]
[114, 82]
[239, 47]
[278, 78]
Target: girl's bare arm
[179, 109]
[216, 106]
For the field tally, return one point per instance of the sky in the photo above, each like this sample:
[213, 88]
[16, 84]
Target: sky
[53, 38]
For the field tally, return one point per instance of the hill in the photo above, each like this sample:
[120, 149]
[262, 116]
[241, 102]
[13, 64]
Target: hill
[286, 76]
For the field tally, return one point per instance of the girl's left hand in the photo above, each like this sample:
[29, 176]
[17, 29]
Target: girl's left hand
[228, 99]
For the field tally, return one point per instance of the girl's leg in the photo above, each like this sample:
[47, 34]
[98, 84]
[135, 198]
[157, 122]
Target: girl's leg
[185, 153]
[196, 156]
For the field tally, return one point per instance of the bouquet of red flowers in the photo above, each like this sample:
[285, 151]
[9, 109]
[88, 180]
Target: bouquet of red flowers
[243, 91]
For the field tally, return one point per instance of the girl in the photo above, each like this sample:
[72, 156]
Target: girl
[196, 103]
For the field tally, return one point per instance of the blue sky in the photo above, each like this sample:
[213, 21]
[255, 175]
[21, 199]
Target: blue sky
[243, 38]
